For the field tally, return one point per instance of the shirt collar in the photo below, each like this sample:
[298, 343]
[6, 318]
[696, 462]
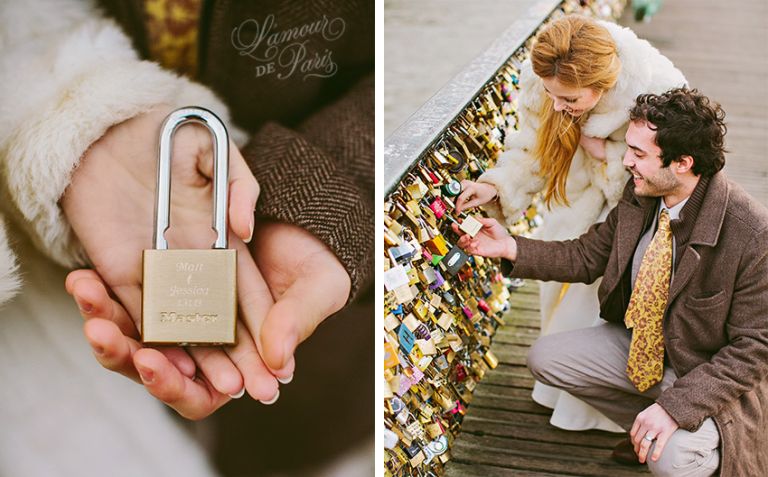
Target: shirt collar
[674, 212]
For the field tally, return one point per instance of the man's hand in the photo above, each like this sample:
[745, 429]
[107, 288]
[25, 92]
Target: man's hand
[655, 423]
[110, 205]
[474, 194]
[492, 241]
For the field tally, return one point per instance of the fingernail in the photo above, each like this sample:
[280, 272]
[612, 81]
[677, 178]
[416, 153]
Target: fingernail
[286, 380]
[147, 375]
[289, 347]
[250, 227]
[238, 394]
[273, 400]
[84, 306]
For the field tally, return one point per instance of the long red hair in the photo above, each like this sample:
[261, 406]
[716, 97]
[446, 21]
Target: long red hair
[580, 53]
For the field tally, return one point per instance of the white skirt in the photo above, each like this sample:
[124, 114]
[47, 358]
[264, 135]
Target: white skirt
[61, 412]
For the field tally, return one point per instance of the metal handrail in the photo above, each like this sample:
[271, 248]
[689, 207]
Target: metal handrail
[424, 127]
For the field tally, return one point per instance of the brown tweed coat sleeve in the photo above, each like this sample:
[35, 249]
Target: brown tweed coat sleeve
[320, 176]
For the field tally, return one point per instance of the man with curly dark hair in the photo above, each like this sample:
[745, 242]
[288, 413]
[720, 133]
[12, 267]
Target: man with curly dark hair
[682, 358]
[686, 123]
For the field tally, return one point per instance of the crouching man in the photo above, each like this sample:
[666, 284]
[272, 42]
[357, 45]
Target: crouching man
[682, 360]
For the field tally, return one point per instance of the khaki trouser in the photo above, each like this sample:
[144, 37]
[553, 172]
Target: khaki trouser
[590, 363]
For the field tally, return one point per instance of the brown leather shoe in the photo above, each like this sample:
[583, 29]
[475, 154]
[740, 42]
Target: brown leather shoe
[624, 453]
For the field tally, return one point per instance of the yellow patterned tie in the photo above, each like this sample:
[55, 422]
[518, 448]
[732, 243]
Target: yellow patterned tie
[172, 30]
[645, 366]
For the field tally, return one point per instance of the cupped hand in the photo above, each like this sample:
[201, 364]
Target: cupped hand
[474, 194]
[110, 206]
[492, 241]
[111, 332]
[307, 281]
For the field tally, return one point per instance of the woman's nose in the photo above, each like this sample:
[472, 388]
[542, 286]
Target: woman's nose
[559, 105]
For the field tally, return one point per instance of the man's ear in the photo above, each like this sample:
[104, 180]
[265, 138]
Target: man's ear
[684, 164]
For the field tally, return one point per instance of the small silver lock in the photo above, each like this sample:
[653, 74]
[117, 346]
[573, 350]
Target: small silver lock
[189, 296]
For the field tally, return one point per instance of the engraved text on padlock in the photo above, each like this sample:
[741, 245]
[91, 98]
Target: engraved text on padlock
[188, 296]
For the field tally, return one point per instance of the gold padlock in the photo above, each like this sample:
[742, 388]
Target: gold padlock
[189, 296]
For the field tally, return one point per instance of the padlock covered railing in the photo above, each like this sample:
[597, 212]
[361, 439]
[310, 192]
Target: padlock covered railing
[442, 307]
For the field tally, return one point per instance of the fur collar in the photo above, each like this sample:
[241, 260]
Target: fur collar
[643, 70]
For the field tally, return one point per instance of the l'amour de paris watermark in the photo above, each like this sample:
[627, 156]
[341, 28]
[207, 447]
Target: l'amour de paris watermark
[284, 53]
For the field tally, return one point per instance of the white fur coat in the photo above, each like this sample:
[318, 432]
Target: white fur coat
[591, 183]
[66, 75]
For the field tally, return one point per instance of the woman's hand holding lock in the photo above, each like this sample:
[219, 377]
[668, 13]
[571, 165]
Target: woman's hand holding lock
[110, 205]
[288, 280]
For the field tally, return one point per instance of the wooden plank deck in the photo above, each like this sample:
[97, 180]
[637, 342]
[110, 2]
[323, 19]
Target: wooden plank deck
[505, 433]
[722, 47]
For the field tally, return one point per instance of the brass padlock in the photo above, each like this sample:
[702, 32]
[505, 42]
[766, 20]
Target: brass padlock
[189, 296]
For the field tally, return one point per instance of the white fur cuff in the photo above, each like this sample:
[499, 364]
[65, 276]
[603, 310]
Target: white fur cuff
[9, 279]
[46, 148]
[513, 196]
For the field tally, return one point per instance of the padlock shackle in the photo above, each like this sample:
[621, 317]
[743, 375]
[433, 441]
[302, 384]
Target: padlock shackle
[220, 173]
